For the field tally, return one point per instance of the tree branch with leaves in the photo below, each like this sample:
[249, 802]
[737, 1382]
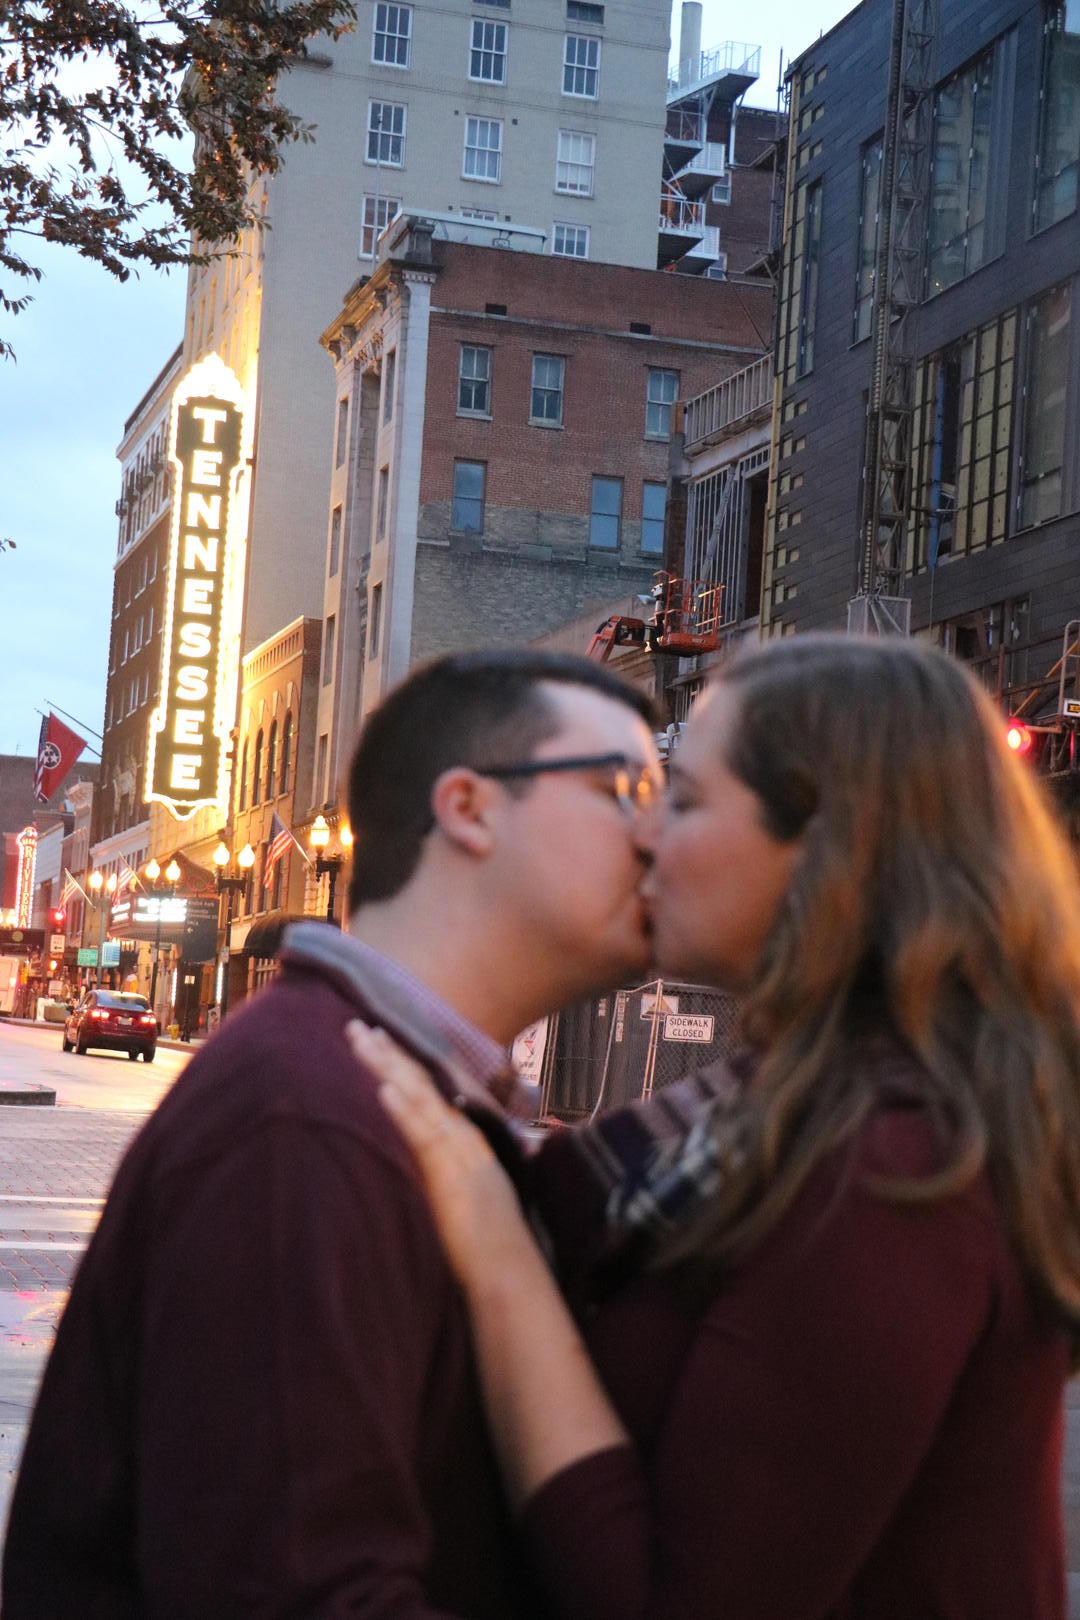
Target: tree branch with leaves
[95, 96]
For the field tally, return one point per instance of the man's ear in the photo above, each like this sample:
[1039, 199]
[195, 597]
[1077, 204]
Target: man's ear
[461, 805]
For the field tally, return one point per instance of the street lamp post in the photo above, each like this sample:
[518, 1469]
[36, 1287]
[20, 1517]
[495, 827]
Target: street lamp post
[329, 865]
[98, 883]
[172, 876]
[228, 883]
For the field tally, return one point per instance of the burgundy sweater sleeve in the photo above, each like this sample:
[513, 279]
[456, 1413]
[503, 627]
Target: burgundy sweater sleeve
[811, 1392]
[281, 1424]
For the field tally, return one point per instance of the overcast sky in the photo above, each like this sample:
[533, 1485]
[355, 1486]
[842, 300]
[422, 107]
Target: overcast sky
[87, 349]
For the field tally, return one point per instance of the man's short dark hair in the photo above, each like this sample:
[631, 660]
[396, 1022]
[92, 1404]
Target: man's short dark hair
[474, 709]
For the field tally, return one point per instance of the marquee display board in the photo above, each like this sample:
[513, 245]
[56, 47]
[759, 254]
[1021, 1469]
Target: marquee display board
[208, 444]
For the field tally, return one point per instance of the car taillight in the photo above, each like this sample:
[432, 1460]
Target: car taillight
[98, 1012]
[147, 1018]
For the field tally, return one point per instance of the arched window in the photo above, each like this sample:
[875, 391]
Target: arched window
[271, 761]
[256, 775]
[241, 798]
[286, 750]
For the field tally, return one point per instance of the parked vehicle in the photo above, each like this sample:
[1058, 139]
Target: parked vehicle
[114, 1019]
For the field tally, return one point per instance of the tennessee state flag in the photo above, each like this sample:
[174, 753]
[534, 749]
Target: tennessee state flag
[58, 749]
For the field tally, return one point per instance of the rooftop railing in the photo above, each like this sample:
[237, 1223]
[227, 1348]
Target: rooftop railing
[730, 401]
[731, 57]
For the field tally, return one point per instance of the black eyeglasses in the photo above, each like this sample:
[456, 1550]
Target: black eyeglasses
[637, 787]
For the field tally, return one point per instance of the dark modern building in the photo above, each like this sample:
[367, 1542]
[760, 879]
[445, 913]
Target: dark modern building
[991, 560]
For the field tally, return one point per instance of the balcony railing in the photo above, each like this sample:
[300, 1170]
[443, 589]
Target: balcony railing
[682, 217]
[710, 163]
[731, 57]
[684, 127]
[730, 402]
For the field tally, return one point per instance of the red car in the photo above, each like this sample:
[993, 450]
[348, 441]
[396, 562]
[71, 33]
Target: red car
[114, 1019]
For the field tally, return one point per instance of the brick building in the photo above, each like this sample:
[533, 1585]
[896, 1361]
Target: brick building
[275, 754]
[502, 450]
[120, 830]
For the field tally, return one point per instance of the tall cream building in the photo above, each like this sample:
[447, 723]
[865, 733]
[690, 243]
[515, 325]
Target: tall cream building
[528, 120]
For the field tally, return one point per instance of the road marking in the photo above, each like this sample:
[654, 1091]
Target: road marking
[40, 1198]
[41, 1248]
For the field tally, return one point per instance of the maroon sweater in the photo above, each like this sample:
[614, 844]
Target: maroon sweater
[261, 1400]
[865, 1424]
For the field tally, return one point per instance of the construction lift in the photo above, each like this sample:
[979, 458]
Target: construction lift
[685, 620]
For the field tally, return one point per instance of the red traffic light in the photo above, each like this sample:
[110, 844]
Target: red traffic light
[56, 919]
[1019, 737]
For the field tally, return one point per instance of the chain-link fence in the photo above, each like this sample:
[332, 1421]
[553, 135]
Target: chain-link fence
[624, 1046]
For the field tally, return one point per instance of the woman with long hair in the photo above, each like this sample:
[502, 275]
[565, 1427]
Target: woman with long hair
[819, 1358]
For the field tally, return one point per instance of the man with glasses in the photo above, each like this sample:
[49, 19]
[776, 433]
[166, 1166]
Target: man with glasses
[262, 1398]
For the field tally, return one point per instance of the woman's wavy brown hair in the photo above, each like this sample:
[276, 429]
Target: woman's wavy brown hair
[936, 890]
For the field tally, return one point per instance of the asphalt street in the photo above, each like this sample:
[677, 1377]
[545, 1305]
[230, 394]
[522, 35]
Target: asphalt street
[56, 1164]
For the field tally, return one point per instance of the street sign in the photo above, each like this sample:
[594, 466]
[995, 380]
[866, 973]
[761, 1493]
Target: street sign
[110, 953]
[87, 956]
[57, 943]
[1070, 709]
[667, 1004]
[689, 1027]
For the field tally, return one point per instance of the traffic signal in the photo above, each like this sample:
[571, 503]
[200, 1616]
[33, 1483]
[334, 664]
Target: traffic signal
[1019, 737]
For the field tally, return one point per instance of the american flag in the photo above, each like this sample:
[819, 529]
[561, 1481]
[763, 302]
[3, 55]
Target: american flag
[71, 886]
[129, 878]
[280, 839]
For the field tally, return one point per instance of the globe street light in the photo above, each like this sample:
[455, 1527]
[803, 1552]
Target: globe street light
[328, 865]
[172, 875]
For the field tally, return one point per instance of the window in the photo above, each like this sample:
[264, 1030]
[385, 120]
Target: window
[574, 162]
[376, 621]
[382, 503]
[1059, 122]
[486, 214]
[869, 230]
[474, 381]
[661, 393]
[581, 65]
[389, 379]
[271, 761]
[256, 775]
[483, 149]
[810, 276]
[578, 11]
[328, 650]
[487, 51]
[546, 402]
[961, 435]
[379, 212]
[150, 621]
[960, 174]
[467, 515]
[605, 519]
[1046, 372]
[335, 541]
[241, 799]
[341, 443]
[721, 191]
[127, 642]
[571, 241]
[153, 565]
[386, 133]
[393, 35]
[286, 754]
[653, 510]
[319, 795]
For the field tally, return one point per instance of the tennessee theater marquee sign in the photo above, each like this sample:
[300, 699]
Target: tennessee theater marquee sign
[187, 765]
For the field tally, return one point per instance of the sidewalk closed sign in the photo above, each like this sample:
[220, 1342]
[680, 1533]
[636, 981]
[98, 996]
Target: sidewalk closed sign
[689, 1027]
